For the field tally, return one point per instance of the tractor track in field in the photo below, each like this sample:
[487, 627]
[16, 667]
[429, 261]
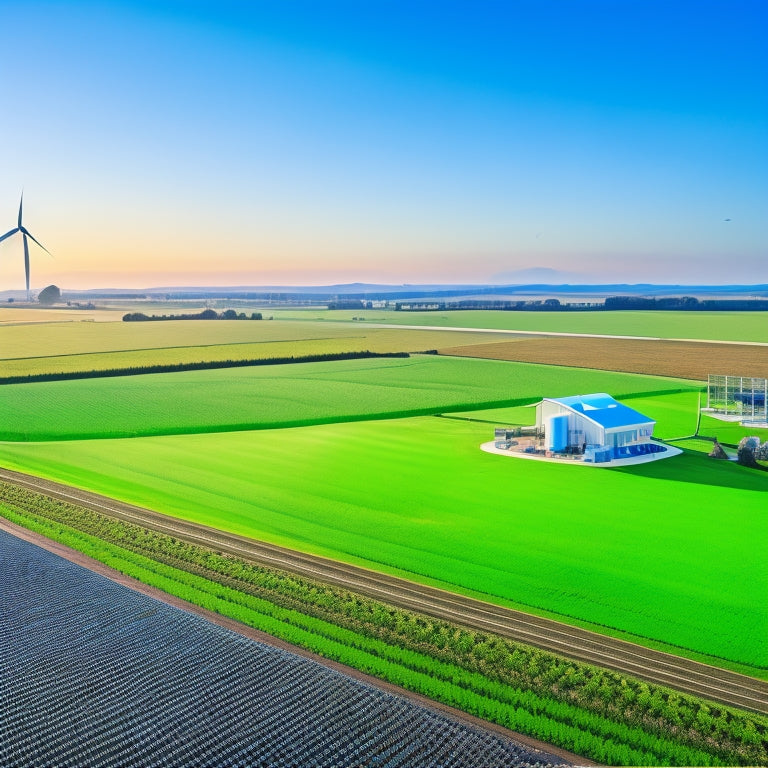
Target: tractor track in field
[647, 664]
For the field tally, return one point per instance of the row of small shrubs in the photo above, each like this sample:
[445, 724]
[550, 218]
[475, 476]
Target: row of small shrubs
[204, 365]
[568, 703]
[206, 314]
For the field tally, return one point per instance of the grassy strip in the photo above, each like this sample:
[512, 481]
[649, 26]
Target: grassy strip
[590, 711]
[202, 365]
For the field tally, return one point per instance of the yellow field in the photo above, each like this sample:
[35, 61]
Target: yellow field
[658, 357]
[10, 315]
[65, 347]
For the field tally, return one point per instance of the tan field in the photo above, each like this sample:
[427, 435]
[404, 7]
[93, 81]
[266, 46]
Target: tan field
[686, 360]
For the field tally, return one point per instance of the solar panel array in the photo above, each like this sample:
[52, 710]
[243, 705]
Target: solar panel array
[92, 673]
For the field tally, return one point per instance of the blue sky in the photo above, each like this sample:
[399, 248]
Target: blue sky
[194, 143]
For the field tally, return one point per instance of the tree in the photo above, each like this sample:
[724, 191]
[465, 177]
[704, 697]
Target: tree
[748, 446]
[49, 295]
[718, 452]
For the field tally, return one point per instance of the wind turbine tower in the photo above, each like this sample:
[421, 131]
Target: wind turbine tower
[25, 233]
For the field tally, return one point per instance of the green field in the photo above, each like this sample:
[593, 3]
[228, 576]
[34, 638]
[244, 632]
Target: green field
[287, 395]
[728, 432]
[725, 326]
[672, 551]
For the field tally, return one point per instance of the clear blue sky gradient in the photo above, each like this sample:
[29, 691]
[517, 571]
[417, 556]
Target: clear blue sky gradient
[190, 143]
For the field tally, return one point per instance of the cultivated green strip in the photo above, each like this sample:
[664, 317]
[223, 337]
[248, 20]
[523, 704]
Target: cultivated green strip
[290, 395]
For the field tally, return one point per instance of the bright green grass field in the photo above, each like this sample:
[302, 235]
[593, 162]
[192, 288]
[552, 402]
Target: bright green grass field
[728, 432]
[724, 326]
[287, 395]
[674, 551]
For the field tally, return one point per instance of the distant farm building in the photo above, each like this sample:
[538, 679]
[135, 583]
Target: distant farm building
[737, 398]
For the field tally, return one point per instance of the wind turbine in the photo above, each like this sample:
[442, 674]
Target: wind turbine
[25, 233]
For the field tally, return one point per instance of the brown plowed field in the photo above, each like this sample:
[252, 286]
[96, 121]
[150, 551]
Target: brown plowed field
[683, 359]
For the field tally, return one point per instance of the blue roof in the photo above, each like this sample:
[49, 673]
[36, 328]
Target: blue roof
[603, 410]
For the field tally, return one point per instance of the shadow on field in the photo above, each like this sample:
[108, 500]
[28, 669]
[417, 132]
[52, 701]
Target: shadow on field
[702, 470]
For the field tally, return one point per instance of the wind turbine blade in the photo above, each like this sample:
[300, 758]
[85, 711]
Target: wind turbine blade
[8, 234]
[27, 234]
[21, 202]
[26, 260]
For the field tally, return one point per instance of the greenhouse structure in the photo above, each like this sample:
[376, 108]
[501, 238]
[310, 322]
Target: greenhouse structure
[737, 398]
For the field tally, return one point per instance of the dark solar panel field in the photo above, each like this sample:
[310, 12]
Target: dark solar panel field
[92, 673]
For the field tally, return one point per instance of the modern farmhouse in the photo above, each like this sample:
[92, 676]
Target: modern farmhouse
[596, 426]
[590, 430]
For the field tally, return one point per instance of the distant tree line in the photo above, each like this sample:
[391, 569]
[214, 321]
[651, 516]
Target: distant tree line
[206, 314]
[611, 303]
[198, 366]
[685, 303]
[548, 305]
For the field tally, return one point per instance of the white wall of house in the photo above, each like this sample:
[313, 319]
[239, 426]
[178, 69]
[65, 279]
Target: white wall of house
[580, 430]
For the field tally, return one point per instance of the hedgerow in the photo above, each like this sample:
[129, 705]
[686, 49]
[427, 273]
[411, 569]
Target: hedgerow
[598, 713]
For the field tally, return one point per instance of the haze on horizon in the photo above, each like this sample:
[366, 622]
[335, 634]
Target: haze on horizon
[301, 143]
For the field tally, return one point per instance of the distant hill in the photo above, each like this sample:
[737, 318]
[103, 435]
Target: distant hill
[373, 291]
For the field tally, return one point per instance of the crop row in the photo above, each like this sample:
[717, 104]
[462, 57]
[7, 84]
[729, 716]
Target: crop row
[575, 705]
